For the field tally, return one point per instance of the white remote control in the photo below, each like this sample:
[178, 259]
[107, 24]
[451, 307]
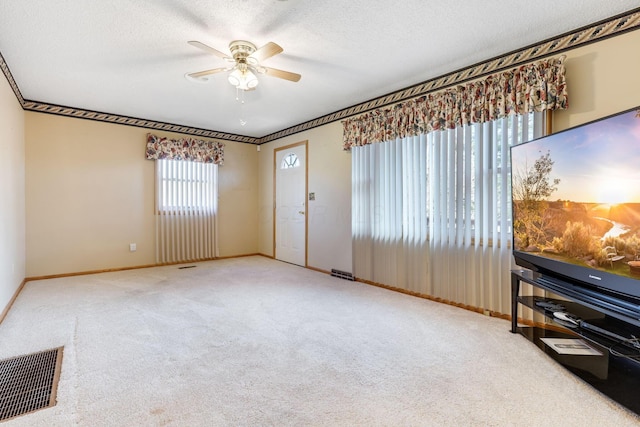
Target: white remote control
[567, 317]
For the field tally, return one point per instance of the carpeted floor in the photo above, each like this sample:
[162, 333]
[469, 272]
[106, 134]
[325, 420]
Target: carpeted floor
[256, 342]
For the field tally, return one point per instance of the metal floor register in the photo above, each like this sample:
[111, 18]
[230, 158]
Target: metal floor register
[29, 383]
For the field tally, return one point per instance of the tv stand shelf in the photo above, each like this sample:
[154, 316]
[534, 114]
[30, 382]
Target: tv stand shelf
[577, 309]
[615, 372]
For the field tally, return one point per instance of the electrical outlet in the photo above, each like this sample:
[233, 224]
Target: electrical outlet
[132, 247]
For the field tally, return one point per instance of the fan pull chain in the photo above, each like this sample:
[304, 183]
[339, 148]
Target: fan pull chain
[240, 99]
[242, 120]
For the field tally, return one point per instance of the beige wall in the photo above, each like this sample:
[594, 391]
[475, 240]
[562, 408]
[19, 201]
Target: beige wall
[238, 201]
[90, 192]
[329, 215]
[12, 204]
[602, 79]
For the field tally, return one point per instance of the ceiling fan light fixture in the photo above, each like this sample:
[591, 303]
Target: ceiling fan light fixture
[247, 59]
[244, 80]
[235, 78]
[251, 80]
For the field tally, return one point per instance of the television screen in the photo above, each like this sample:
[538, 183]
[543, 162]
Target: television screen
[576, 204]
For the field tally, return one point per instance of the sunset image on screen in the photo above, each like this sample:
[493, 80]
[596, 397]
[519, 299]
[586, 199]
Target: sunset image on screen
[577, 195]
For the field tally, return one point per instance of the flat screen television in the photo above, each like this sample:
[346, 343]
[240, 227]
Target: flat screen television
[576, 210]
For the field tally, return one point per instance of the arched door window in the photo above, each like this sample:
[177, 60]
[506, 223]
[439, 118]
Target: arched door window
[290, 161]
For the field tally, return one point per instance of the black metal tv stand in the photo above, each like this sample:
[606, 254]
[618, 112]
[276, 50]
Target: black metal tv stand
[615, 372]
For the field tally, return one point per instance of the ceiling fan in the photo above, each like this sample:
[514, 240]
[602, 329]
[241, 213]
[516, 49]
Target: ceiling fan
[246, 59]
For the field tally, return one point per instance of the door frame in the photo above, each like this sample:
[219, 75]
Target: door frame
[306, 195]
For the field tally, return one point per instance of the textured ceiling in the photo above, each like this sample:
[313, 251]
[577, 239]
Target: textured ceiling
[129, 58]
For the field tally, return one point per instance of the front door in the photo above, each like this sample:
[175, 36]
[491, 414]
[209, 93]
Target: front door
[290, 216]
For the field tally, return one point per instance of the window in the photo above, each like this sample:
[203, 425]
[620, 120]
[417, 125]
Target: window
[473, 186]
[431, 213]
[290, 161]
[186, 211]
[186, 185]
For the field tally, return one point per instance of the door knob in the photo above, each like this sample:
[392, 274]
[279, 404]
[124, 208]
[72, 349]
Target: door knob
[301, 212]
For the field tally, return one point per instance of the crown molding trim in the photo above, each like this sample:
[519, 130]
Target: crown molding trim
[12, 83]
[132, 121]
[611, 27]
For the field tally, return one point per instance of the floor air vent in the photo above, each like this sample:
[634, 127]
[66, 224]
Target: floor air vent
[29, 383]
[342, 274]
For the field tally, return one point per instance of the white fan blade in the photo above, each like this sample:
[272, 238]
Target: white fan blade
[287, 75]
[206, 72]
[209, 49]
[267, 51]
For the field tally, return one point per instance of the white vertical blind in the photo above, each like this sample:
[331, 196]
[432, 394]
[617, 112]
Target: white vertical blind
[432, 214]
[388, 221]
[186, 211]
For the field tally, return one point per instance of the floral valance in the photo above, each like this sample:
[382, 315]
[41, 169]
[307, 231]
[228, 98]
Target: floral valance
[189, 149]
[537, 86]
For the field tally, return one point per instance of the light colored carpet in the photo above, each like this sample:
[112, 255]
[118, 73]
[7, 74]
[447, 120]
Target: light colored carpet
[256, 342]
